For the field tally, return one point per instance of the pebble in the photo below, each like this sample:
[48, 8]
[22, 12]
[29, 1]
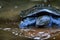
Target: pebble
[54, 38]
[16, 33]
[47, 36]
[8, 29]
[40, 32]
[13, 32]
[37, 38]
[29, 37]
[26, 36]
[32, 35]
[16, 6]
[27, 30]
[20, 35]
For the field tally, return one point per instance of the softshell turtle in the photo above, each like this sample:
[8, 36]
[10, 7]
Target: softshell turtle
[39, 15]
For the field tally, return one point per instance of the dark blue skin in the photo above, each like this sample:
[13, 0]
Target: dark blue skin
[33, 21]
[54, 22]
[27, 22]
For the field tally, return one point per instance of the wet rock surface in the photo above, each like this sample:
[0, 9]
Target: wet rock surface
[36, 34]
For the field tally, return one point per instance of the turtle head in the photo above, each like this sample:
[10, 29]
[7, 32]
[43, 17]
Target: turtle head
[42, 20]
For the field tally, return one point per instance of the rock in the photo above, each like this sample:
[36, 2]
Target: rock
[13, 32]
[54, 38]
[16, 33]
[37, 38]
[44, 35]
[16, 6]
[8, 29]
[40, 33]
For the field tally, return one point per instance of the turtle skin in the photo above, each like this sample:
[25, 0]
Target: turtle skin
[46, 20]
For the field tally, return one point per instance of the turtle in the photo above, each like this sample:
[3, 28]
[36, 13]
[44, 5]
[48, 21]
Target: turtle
[40, 15]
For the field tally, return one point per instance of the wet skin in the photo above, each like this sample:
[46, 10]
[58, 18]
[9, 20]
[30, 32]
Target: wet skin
[44, 20]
